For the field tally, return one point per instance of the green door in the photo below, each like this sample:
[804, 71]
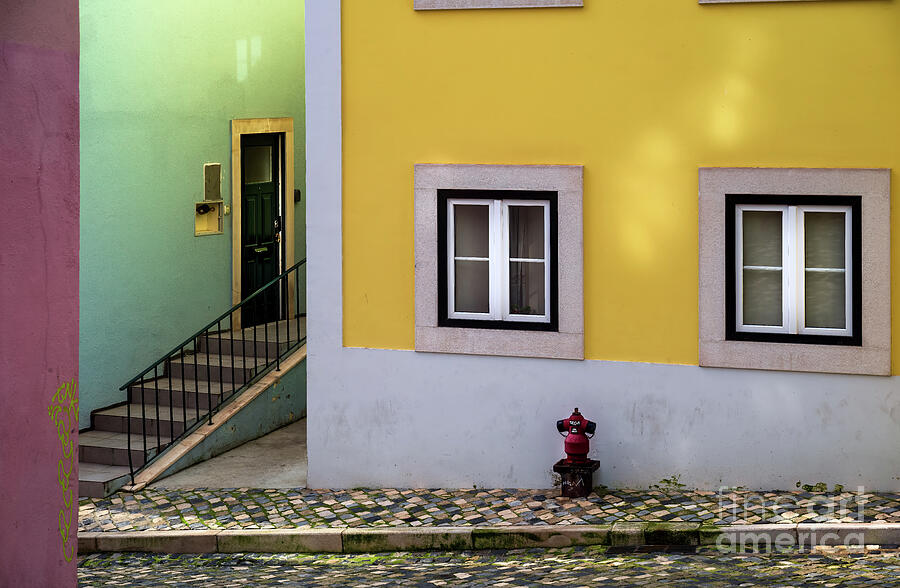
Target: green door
[261, 224]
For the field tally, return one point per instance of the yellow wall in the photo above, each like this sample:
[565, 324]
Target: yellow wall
[642, 93]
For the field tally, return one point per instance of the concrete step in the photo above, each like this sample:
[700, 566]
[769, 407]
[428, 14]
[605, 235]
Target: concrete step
[212, 368]
[180, 393]
[97, 480]
[170, 421]
[109, 448]
[267, 332]
[244, 344]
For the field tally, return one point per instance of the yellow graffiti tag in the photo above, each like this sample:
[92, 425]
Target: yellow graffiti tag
[63, 413]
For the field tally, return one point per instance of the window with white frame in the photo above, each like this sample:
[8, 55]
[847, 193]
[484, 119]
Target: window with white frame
[497, 259]
[794, 278]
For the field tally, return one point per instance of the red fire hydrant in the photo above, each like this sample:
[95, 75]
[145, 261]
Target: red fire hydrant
[576, 470]
[577, 430]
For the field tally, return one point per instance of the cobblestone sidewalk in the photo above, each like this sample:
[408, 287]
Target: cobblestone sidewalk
[580, 566]
[266, 509]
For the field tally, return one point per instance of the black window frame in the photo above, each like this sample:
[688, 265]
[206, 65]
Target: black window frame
[855, 204]
[553, 303]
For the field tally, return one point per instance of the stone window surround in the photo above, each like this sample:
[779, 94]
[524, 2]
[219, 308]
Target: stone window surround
[471, 4]
[873, 185]
[567, 182]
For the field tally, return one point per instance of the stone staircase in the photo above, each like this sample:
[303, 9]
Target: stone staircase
[168, 405]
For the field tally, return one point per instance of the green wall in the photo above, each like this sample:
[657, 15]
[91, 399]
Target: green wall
[160, 82]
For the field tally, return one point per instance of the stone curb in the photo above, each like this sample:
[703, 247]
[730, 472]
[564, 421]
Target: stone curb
[387, 539]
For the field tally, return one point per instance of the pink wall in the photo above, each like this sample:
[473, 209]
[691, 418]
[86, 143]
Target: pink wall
[38, 291]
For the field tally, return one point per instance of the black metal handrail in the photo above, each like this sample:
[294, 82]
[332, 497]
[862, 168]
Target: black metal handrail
[274, 300]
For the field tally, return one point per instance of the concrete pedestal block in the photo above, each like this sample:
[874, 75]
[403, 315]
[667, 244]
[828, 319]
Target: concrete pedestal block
[577, 478]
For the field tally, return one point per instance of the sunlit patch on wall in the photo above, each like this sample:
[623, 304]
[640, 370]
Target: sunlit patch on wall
[724, 125]
[247, 56]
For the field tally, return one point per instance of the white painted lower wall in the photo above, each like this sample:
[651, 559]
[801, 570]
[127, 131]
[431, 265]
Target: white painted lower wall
[405, 419]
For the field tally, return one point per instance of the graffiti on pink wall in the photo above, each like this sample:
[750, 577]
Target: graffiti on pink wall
[63, 413]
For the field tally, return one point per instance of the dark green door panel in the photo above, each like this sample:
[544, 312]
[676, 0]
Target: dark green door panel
[260, 225]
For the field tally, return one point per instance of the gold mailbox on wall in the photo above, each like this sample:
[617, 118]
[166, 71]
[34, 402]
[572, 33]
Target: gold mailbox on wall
[208, 217]
[208, 213]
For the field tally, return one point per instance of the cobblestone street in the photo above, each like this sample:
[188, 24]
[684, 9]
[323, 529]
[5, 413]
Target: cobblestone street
[590, 566]
[261, 509]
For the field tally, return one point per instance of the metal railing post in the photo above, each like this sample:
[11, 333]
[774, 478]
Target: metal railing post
[233, 382]
[128, 434]
[286, 309]
[196, 383]
[277, 342]
[168, 367]
[156, 402]
[266, 326]
[208, 376]
[143, 419]
[183, 389]
[221, 369]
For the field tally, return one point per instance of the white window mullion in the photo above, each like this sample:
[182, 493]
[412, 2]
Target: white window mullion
[791, 274]
[499, 250]
[503, 261]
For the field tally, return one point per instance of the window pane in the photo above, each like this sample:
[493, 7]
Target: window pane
[762, 237]
[472, 287]
[526, 288]
[762, 297]
[824, 239]
[257, 164]
[825, 300]
[526, 232]
[472, 228]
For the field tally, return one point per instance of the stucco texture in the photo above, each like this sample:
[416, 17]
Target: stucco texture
[38, 291]
[161, 81]
[642, 93]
